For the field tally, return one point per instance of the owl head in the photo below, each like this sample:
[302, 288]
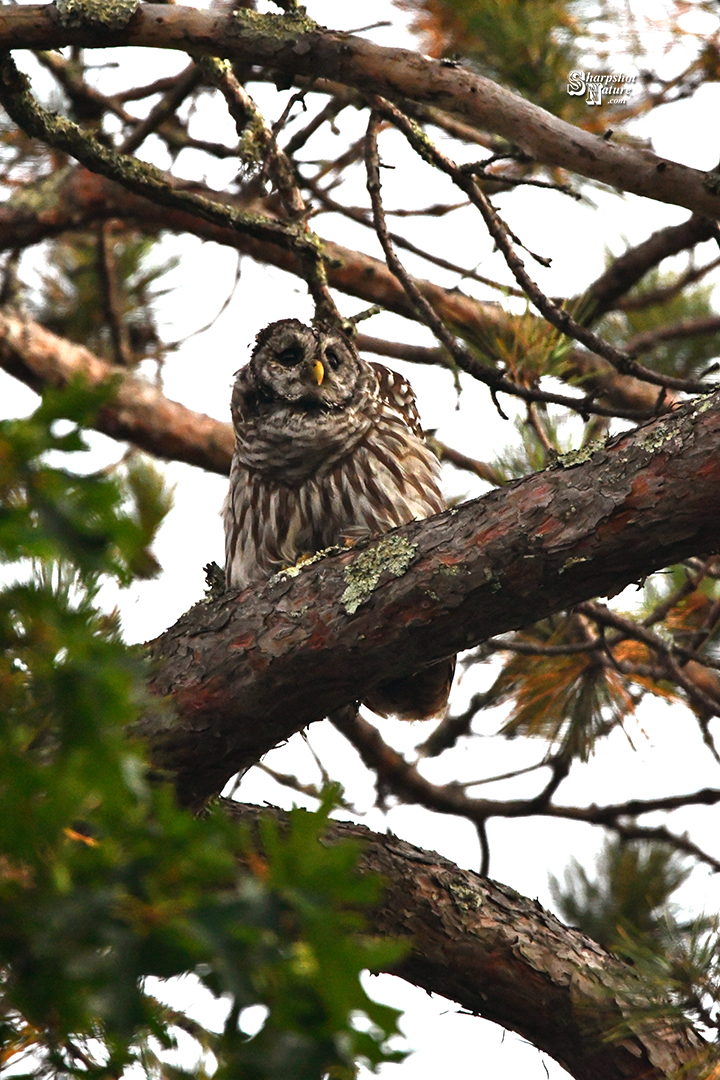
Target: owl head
[312, 368]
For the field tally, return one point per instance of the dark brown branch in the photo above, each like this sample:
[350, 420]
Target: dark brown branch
[629, 268]
[401, 778]
[647, 341]
[452, 728]
[87, 99]
[184, 85]
[467, 464]
[642, 300]
[503, 957]
[114, 315]
[321, 636]
[672, 671]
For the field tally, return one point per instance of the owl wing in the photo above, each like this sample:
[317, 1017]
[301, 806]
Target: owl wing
[397, 394]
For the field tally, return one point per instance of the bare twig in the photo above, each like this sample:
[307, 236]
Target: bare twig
[260, 140]
[185, 83]
[140, 178]
[426, 313]
[647, 341]
[558, 317]
[462, 461]
[397, 775]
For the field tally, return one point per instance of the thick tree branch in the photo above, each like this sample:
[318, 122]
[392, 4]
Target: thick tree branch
[296, 46]
[502, 957]
[139, 412]
[247, 671]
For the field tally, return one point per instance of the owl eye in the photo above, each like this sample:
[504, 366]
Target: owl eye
[332, 358]
[292, 355]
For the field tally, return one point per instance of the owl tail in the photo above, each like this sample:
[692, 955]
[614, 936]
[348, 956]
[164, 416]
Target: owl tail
[421, 696]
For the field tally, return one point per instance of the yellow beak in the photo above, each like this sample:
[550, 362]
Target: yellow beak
[318, 371]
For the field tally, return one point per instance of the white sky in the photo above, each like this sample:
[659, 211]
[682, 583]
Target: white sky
[661, 753]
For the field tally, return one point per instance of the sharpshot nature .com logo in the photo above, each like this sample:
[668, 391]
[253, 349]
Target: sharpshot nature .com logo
[600, 89]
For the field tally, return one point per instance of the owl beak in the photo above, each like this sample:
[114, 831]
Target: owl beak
[317, 371]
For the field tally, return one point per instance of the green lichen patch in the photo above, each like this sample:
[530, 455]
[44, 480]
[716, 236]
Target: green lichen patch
[580, 456]
[658, 438]
[392, 553]
[573, 561]
[106, 14]
[283, 27]
[711, 182]
[707, 401]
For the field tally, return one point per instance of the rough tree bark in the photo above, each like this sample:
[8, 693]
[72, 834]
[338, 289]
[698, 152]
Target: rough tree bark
[503, 957]
[246, 671]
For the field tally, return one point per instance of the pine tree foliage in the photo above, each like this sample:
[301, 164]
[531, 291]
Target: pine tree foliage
[628, 907]
[104, 880]
[96, 284]
[526, 44]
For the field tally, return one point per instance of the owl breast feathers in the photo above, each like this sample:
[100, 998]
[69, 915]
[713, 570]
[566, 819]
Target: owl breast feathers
[328, 449]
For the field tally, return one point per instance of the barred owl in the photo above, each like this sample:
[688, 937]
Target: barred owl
[328, 449]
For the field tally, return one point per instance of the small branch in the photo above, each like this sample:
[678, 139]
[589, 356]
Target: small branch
[672, 671]
[184, 84]
[558, 317]
[660, 296]
[89, 98]
[452, 728]
[138, 177]
[137, 93]
[688, 586]
[327, 114]
[628, 269]
[661, 835]
[361, 217]
[114, 314]
[261, 141]
[647, 341]
[461, 461]
[397, 775]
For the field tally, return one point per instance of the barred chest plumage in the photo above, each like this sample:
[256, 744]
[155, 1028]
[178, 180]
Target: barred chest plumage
[380, 475]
